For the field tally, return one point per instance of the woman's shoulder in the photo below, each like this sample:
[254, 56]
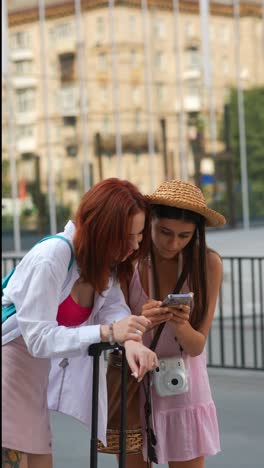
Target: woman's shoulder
[52, 252]
[214, 260]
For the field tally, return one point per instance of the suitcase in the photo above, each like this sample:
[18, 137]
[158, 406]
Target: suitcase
[95, 350]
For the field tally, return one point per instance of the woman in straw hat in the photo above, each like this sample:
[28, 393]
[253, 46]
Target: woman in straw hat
[184, 425]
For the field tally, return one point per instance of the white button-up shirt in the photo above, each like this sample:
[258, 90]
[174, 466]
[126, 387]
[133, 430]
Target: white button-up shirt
[39, 284]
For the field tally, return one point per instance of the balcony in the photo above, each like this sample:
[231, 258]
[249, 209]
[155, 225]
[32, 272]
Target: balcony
[65, 45]
[134, 142]
[21, 54]
[26, 118]
[26, 145]
[24, 82]
[191, 73]
[192, 103]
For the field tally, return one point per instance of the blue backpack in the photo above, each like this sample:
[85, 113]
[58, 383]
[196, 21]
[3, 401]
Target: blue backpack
[9, 310]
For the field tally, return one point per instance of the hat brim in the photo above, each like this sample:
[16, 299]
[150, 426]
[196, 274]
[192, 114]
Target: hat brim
[212, 217]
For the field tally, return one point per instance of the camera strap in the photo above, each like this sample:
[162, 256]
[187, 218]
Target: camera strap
[154, 291]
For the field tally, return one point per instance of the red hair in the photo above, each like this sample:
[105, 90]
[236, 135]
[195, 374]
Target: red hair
[103, 223]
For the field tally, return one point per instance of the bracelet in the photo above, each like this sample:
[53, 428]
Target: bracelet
[111, 333]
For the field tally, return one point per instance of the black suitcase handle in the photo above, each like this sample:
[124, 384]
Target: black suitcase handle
[95, 350]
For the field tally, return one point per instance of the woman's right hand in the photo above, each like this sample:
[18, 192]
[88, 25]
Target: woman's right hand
[129, 328]
[140, 359]
[154, 312]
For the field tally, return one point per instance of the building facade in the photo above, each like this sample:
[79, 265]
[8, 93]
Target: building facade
[119, 92]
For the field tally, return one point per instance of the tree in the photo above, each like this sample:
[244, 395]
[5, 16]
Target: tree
[254, 124]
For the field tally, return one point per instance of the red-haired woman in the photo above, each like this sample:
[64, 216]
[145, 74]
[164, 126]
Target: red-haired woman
[61, 309]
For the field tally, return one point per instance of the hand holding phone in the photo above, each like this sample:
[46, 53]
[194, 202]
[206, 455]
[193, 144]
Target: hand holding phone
[175, 300]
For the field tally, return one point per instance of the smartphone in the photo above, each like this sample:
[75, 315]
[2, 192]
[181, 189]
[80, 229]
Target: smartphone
[174, 300]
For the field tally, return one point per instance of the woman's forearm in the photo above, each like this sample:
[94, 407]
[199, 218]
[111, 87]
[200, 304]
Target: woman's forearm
[192, 341]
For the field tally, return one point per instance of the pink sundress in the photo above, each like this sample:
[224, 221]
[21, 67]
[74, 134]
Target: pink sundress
[185, 425]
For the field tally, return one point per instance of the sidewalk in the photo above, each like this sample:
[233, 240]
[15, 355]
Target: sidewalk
[239, 399]
[236, 242]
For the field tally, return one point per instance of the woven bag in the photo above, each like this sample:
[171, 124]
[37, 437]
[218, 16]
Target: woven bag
[134, 439]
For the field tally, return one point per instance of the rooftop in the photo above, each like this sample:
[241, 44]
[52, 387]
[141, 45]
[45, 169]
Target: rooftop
[19, 5]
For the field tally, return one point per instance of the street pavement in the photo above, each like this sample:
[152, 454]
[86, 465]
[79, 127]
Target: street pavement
[239, 399]
[237, 242]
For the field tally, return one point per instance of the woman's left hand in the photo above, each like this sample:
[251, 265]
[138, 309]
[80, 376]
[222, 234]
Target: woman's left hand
[140, 359]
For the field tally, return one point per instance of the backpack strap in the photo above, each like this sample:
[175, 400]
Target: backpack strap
[65, 240]
[9, 310]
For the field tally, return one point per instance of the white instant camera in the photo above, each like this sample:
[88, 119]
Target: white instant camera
[170, 377]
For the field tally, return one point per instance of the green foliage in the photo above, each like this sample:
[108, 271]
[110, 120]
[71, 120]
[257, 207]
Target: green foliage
[63, 215]
[254, 125]
[7, 223]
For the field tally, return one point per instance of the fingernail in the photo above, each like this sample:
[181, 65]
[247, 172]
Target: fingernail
[135, 374]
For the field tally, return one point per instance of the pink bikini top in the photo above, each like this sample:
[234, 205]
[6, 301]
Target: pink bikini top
[71, 314]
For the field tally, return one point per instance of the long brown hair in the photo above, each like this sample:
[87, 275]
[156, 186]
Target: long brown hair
[103, 223]
[194, 258]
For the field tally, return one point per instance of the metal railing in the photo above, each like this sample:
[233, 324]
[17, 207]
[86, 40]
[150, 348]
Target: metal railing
[9, 261]
[236, 338]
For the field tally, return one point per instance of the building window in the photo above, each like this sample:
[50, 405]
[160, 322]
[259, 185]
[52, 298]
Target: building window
[25, 131]
[102, 61]
[68, 99]
[189, 30]
[225, 65]
[20, 40]
[136, 95]
[133, 58]
[69, 121]
[105, 126]
[72, 184]
[67, 67]
[159, 61]
[161, 93]
[72, 150]
[23, 67]
[26, 100]
[132, 24]
[193, 58]
[224, 33]
[100, 28]
[137, 122]
[159, 28]
[103, 94]
[192, 88]
[137, 156]
[62, 31]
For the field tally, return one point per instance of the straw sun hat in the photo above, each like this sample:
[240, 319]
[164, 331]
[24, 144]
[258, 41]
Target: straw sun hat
[185, 195]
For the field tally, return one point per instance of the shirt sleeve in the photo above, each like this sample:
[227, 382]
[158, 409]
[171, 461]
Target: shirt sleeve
[36, 312]
[114, 307]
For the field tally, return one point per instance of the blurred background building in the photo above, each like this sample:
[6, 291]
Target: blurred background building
[142, 90]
